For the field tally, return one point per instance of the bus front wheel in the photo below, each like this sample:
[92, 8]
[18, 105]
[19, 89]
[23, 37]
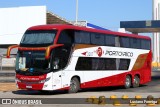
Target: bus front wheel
[127, 83]
[136, 81]
[74, 85]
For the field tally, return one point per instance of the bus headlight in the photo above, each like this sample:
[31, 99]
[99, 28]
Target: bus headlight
[43, 81]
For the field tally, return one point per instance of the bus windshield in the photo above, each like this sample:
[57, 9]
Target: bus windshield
[32, 63]
[38, 37]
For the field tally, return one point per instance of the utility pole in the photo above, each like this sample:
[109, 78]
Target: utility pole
[76, 11]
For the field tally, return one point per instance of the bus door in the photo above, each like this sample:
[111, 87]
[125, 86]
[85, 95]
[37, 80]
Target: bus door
[57, 80]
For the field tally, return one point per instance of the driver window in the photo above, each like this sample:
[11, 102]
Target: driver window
[56, 63]
[59, 59]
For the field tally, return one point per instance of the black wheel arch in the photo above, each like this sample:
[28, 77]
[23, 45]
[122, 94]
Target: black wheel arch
[76, 76]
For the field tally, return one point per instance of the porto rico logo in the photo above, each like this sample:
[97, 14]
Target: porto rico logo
[98, 52]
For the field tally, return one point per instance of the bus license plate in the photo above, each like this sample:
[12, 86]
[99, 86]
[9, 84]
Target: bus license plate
[28, 86]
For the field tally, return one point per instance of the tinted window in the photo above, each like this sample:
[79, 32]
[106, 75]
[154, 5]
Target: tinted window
[145, 44]
[98, 64]
[124, 42]
[38, 37]
[82, 37]
[97, 39]
[124, 64]
[32, 59]
[65, 38]
[110, 64]
[89, 63]
[110, 40]
[135, 43]
[60, 57]
[84, 63]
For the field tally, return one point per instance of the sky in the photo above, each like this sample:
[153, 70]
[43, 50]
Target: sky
[104, 13]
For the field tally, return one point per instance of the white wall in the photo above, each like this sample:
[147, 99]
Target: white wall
[14, 21]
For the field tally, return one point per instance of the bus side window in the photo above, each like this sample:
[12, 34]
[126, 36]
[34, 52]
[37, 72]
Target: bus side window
[124, 64]
[64, 38]
[97, 39]
[111, 64]
[110, 40]
[124, 42]
[135, 43]
[81, 37]
[84, 63]
[145, 44]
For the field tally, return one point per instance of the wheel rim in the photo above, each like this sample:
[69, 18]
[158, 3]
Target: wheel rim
[136, 81]
[128, 82]
[73, 85]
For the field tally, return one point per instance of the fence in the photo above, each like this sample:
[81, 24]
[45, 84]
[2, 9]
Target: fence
[1, 56]
[7, 62]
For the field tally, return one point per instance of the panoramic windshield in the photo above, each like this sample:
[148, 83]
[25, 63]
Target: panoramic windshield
[32, 62]
[38, 37]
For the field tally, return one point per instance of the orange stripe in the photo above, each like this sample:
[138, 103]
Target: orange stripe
[140, 61]
[49, 48]
[32, 49]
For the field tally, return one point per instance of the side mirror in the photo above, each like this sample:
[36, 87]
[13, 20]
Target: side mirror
[49, 48]
[9, 50]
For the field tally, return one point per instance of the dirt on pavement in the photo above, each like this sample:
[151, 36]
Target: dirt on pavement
[8, 87]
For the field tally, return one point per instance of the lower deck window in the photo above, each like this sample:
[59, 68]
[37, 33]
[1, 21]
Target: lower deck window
[90, 63]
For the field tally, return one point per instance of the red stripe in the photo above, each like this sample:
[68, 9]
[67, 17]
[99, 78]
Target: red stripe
[34, 86]
[63, 26]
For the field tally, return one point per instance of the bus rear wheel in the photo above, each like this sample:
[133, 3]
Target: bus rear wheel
[136, 81]
[127, 83]
[74, 85]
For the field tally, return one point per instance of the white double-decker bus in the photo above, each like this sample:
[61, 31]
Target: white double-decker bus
[66, 57]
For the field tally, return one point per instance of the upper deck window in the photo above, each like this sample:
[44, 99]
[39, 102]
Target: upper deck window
[38, 37]
[135, 43]
[66, 37]
[82, 37]
[110, 40]
[97, 39]
[145, 44]
[125, 42]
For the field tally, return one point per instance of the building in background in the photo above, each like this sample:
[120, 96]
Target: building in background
[148, 26]
[14, 22]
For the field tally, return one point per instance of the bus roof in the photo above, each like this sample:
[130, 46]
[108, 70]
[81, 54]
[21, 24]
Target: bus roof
[65, 26]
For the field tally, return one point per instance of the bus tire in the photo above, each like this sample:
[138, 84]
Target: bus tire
[136, 81]
[45, 92]
[128, 82]
[74, 85]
